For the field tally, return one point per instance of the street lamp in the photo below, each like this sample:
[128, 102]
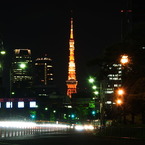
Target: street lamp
[124, 59]
[2, 52]
[120, 92]
[99, 95]
[96, 93]
[119, 96]
[119, 102]
[91, 80]
[22, 65]
[94, 87]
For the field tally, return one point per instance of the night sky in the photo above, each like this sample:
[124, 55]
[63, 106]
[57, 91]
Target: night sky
[44, 27]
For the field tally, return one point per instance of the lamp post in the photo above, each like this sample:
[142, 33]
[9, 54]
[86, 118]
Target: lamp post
[124, 59]
[3, 52]
[99, 95]
[22, 65]
[120, 102]
[120, 96]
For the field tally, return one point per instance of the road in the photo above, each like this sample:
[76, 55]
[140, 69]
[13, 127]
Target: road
[69, 139]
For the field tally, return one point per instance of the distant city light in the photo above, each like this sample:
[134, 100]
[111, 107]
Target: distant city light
[3, 52]
[120, 92]
[23, 124]
[96, 92]
[94, 87]
[91, 80]
[21, 104]
[33, 104]
[108, 102]
[119, 101]
[124, 59]
[22, 65]
[9, 104]
[13, 93]
[84, 127]
[46, 109]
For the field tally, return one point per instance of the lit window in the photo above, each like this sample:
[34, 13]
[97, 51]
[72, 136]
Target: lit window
[9, 105]
[108, 102]
[0, 104]
[109, 92]
[33, 104]
[115, 78]
[115, 65]
[21, 104]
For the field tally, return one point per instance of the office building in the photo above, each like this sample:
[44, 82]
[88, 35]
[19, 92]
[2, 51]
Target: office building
[21, 73]
[43, 76]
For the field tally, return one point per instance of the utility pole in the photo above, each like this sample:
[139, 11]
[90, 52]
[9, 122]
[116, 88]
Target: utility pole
[102, 104]
[2, 53]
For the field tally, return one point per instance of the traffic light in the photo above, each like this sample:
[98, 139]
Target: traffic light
[33, 115]
[93, 112]
[72, 116]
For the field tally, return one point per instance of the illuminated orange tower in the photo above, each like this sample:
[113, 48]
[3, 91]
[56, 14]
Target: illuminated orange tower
[71, 82]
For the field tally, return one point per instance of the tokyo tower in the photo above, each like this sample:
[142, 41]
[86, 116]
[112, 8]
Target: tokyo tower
[71, 82]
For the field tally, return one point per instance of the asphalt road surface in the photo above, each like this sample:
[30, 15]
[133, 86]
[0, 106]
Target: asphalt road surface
[69, 139]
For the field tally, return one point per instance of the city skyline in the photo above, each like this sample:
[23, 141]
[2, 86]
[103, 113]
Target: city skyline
[94, 69]
[46, 29]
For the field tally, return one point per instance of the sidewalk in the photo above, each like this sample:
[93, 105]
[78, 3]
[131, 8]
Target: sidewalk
[134, 133]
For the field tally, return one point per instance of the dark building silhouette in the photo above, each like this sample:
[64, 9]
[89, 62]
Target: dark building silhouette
[126, 18]
[43, 82]
[132, 16]
[43, 71]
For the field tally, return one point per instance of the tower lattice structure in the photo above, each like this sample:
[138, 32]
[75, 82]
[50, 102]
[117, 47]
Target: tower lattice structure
[71, 82]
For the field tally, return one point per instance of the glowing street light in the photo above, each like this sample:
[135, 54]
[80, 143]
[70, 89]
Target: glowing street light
[22, 65]
[94, 87]
[91, 80]
[2, 52]
[119, 102]
[120, 92]
[96, 92]
[124, 59]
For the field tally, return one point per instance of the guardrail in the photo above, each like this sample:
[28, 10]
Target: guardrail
[13, 128]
